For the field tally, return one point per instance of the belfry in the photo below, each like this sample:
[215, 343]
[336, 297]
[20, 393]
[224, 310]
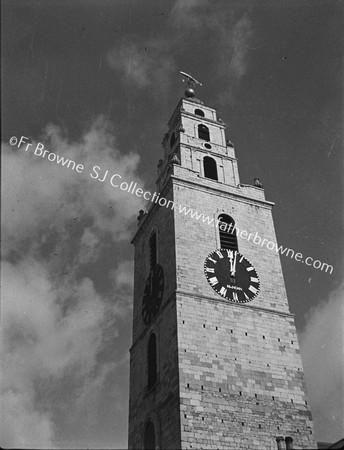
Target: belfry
[215, 361]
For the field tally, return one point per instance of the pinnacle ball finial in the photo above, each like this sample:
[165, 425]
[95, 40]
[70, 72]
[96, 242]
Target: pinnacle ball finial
[190, 84]
[189, 92]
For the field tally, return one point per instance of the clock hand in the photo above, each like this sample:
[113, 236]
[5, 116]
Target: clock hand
[234, 265]
[231, 262]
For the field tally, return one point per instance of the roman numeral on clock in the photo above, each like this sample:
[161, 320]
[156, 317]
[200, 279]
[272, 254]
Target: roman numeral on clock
[235, 296]
[213, 281]
[253, 289]
[210, 269]
[223, 291]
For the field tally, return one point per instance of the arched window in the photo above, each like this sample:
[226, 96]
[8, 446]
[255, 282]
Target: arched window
[153, 250]
[210, 169]
[172, 140]
[203, 132]
[151, 361]
[149, 436]
[228, 237]
[199, 112]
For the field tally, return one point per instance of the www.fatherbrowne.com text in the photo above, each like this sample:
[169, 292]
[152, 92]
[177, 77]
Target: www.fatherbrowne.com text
[114, 180]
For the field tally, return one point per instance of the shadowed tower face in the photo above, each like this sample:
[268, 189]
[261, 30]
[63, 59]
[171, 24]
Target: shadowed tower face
[215, 361]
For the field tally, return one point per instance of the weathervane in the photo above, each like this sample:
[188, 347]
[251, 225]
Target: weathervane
[190, 84]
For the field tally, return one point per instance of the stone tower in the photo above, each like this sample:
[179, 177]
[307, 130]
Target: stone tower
[215, 361]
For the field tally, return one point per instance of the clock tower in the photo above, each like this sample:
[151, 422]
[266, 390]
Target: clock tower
[215, 361]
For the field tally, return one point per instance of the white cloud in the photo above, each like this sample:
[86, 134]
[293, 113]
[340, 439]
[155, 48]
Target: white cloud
[322, 344]
[152, 62]
[143, 63]
[230, 36]
[55, 323]
[36, 190]
[191, 14]
[238, 40]
[41, 342]
[123, 275]
[90, 245]
[22, 421]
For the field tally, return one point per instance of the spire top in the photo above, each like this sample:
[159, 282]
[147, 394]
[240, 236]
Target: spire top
[190, 84]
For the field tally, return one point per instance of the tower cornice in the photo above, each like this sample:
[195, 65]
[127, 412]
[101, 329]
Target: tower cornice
[220, 124]
[233, 305]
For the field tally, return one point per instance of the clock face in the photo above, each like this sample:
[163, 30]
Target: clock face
[153, 293]
[231, 275]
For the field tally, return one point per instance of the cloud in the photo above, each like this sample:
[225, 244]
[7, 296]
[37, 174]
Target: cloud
[321, 346]
[40, 190]
[193, 14]
[228, 34]
[123, 274]
[142, 63]
[237, 40]
[42, 342]
[63, 298]
[20, 419]
[219, 32]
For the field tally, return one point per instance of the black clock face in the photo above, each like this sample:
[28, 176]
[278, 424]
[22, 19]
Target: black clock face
[231, 275]
[153, 293]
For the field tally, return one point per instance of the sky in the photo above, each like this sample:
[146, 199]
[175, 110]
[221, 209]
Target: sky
[96, 82]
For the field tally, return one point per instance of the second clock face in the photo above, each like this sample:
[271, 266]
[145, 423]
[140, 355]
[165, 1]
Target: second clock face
[231, 275]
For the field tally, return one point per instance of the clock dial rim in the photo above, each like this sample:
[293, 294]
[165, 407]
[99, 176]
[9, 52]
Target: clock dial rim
[222, 291]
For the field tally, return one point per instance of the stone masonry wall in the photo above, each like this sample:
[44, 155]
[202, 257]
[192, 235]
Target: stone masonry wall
[241, 377]
[163, 399]
[195, 240]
